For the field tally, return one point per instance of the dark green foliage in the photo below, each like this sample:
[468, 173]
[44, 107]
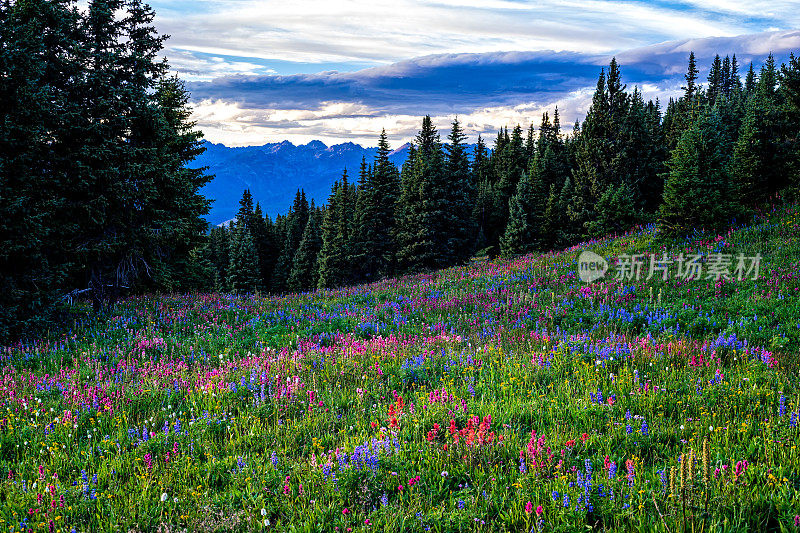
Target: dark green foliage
[424, 216]
[305, 270]
[375, 221]
[460, 195]
[698, 191]
[334, 266]
[690, 89]
[291, 232]
[243, 272]
[96, 146]
[615, 211]
[525, 215]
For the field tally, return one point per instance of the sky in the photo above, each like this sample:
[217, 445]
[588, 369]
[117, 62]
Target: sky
[340, 71]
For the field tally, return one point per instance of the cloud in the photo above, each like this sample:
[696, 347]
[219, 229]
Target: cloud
[453, 83]
[485, 91]
[385, 31]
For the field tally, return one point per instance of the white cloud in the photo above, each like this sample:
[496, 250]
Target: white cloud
[383, 31]
[233, 125]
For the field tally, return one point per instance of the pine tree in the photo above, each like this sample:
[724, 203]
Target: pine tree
[690, 89]
[374, 240]
[715, 80]
[220, 249]
[697, 192]
[520, 235]
[266, 247]
[459, 193]
[41, 62]
[293, 228]
[334, 267]
[243, 272]
[750, 80]
[615, 211]
[761, 163]
[305, 268]
[423, 227]
[640, 155]
[790, 95]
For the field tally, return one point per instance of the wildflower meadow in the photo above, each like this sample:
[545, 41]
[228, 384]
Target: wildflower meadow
[496, 396]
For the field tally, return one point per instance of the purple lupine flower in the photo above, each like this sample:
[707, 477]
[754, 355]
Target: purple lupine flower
[645, 429]
[612, 470]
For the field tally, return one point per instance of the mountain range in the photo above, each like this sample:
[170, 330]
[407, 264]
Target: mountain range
[273, 173]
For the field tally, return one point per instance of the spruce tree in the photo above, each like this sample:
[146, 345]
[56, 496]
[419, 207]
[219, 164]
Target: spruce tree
[459, 229]
[690, 89]
[425, 210]
[375, 232]
[334, 267]
[520, 235]
[293, 227]
[305, 270]
[715, 80]
[41, 68]
[697, 191]
[760, 166]
[243, 272]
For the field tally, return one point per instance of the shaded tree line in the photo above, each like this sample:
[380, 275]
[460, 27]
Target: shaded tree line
[97, 193]
[715, 154]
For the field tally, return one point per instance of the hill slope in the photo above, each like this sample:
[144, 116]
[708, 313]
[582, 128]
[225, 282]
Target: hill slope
[495, 396]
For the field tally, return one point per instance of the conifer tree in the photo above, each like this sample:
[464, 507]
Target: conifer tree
[294, 226]
[520, 235]
[697, 192]
[760, 166]
[424, 224]
[42, 61]
[243, 272]
[459, 193]
[690, 89]
[374, 245]
[305, 269]
[334, 267]
[750, 80]
[715, 80]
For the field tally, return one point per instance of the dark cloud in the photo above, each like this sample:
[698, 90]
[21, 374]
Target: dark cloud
[462, 83]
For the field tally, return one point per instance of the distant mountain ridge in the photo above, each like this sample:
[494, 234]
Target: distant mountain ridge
[273, 172]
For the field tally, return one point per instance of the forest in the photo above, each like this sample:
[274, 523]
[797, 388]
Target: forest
[711, 157]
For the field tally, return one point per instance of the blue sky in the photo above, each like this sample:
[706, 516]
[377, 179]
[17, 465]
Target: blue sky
[265, 71]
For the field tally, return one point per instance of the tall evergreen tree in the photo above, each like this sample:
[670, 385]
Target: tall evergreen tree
[293, 227]
[375, 231]
[459, 193]
[243, 271]
[305, 269]
[521, 233]
[697, 192]
[42, 63]
[334, 266]
[715, 80]
[425, 217]
[690, 89]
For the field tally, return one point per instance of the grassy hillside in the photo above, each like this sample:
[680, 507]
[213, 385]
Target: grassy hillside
[496, 396]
